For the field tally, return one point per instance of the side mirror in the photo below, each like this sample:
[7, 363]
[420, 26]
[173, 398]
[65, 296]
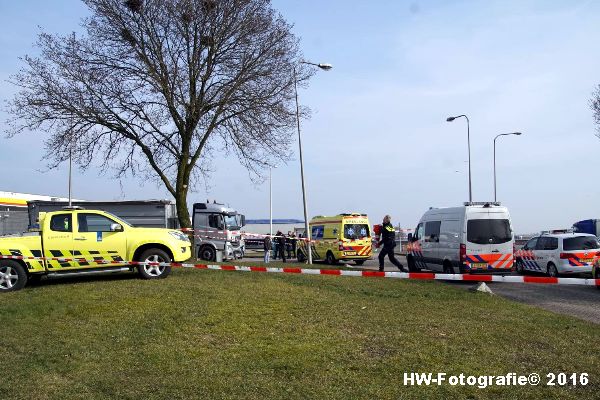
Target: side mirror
[410, 237]
[243, 220]
[116, 228]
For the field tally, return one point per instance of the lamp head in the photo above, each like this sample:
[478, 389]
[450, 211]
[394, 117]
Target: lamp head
[325, 67]
[450, 119]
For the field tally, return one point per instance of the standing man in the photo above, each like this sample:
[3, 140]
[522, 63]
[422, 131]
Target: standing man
[267, 246]
[281, 245]
[388, 239]
[294, 244]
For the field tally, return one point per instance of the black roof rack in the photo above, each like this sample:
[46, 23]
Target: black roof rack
[483, 203]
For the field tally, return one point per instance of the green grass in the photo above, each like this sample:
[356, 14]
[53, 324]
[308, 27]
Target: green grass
[225, 335]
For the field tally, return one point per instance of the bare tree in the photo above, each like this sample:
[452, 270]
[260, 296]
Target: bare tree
[153, 87]
[595, 106]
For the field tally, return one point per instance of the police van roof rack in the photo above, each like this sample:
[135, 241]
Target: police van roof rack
[482, 203]
[556, 231]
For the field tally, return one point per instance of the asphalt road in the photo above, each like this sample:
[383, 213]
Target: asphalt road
[577, 301]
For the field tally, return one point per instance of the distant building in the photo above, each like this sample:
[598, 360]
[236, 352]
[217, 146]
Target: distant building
[13, 210]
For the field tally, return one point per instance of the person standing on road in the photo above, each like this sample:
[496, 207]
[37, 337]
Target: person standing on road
[267, 246]
[275, 241]
[294, 244]
[388, 239]
[281, 245]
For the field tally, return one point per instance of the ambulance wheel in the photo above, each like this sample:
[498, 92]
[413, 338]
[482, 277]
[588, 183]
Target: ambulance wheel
[359, 262]
[12, 276]
[330, 259]
[552, 271]
[207, 253]
[154, 271]
[519, 267]
[301, 257]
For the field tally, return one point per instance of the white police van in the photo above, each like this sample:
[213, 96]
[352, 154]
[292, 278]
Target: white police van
[558, 253]
[476, 237]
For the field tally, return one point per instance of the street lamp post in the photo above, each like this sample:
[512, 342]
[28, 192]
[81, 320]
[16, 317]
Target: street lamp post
[271, 200]
[450, 119]
[497, 136]
[325, 67]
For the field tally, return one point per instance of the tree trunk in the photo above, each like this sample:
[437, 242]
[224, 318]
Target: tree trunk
[182, 208]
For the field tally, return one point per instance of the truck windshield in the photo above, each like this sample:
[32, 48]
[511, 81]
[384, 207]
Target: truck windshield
[231, 222]
[580, 243]
[356, 231]
[488, 231]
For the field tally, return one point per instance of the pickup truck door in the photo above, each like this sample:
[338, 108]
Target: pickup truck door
[57, 241]
[93, 239]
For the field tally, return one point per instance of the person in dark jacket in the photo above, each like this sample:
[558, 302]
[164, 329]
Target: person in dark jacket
[388, 239]
[281, 245]
[267, 247]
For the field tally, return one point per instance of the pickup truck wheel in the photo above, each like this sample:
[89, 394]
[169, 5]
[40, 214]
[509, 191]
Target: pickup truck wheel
[12, 276]
[154, 271]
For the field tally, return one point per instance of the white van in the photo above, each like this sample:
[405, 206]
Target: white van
[476, 237]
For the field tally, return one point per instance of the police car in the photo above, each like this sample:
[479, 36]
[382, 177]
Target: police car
[558, 253]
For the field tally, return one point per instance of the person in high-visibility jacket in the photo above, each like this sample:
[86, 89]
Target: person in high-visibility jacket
[388, 239]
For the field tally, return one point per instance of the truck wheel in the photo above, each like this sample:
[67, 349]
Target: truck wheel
[301, 257]
[154, 271]
[12, 276]
[207, 253]
[330, 259]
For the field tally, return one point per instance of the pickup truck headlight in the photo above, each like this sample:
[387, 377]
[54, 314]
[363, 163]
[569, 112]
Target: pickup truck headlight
[179, 236]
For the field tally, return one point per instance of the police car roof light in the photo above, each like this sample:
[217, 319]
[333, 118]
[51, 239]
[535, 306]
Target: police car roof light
[73, 208]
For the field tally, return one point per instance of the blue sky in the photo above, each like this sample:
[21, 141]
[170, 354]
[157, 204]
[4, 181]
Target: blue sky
[378, 141]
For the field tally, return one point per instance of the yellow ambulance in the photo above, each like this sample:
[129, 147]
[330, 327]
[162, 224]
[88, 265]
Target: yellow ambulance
[340, 237]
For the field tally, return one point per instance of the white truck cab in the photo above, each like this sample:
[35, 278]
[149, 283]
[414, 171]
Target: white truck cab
[476, 237]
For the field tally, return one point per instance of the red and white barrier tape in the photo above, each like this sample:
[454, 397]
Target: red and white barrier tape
[339, 272]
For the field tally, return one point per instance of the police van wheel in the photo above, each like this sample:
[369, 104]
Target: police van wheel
[412, 267]
[207, 253]
[596, 275]
[447, 268]
[330, 259]
[519, 267]
[301, 257]
[552, 271]
[359, 262]
[12, 276]
[154, 271]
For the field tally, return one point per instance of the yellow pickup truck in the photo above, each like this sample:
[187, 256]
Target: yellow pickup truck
[77, 241]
